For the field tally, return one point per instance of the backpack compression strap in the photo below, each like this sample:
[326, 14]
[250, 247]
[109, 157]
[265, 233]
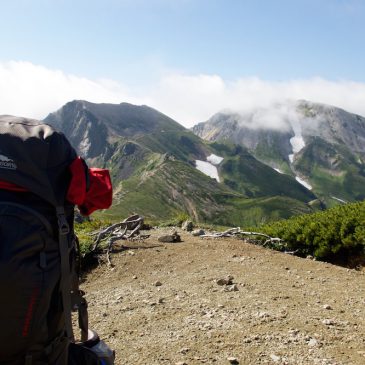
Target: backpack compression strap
[63, 231]
[77, 296]
[71, 295]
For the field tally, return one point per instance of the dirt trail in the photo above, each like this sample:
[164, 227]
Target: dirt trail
[163, 305]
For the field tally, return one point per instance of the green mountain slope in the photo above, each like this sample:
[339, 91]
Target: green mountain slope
[242, 172]
[334, 171]
[165, 187]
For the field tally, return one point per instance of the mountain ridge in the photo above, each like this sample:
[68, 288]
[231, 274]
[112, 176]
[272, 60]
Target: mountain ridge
[153, 163]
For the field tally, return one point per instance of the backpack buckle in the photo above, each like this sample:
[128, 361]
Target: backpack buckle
[63, 226]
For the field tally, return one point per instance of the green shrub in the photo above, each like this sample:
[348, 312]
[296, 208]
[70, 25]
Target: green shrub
[335, 234]
[84, 230]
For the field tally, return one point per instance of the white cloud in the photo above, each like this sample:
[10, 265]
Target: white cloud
[34, 91]
[192, 99]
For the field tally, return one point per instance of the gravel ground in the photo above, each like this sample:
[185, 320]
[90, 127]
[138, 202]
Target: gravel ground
[224, 301]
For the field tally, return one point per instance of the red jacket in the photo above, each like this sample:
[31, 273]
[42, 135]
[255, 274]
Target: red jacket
[89, 191]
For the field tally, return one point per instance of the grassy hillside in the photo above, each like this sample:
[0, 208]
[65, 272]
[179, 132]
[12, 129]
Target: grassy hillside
[271, 152]
[257, 211]
[245, 174]
[183, 145]
[161, 188]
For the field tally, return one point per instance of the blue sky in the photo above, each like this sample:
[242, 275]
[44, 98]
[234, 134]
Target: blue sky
[149, 51]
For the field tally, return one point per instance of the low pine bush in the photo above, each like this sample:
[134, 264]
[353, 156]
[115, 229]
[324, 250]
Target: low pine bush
[336, 234]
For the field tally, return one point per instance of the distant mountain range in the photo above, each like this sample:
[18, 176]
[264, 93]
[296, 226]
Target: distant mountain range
[322, 146]
[161, 169]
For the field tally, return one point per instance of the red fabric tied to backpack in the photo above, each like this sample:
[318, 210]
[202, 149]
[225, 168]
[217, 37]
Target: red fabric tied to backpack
[100, 194]
[91, 189]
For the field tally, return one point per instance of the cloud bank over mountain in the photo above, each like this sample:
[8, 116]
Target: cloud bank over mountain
[33, 90]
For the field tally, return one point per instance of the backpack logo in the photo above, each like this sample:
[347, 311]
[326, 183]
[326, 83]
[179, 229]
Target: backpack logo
[7, 163]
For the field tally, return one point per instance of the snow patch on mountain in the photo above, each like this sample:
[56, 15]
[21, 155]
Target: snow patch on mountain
[297, 142]
[304, 183]
[208, 169]
[214, 159]
[339, 200]
[278, 170]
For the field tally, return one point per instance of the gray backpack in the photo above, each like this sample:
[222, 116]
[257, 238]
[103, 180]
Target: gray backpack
[38, 250]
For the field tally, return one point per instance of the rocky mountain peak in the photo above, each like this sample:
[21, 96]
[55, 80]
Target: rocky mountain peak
[285, 136]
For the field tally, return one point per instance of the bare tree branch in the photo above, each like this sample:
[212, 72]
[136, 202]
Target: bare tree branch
[233, 232]
[117, 232]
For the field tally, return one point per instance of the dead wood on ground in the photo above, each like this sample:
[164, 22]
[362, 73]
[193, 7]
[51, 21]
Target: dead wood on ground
[236, 232]
[128, 229]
